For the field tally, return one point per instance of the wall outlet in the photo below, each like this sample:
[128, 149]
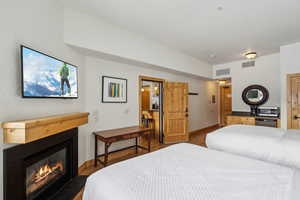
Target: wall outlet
[95, 115]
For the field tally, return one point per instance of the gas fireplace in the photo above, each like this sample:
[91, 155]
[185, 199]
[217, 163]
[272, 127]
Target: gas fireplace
[45, 166]
[42, 174]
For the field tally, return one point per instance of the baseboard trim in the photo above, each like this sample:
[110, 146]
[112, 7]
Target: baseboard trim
[215, 126]
[87, 164]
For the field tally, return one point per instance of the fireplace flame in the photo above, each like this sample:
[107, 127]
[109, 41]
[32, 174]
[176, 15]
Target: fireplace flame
[46, 170]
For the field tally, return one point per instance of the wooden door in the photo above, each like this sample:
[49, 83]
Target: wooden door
[294, 101]
[225, 103]
[175, 112]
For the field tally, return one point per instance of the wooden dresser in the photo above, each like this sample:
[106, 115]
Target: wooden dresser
[246, 118]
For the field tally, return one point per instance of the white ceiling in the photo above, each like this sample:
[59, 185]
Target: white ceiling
[201, 28]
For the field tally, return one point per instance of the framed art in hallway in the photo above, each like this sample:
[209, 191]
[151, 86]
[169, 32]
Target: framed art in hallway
[114, 90]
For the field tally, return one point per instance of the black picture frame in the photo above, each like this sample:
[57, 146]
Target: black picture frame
[126, 88]
[46, 97]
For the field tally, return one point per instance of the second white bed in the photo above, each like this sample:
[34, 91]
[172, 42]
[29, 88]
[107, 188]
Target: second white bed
[264, 143]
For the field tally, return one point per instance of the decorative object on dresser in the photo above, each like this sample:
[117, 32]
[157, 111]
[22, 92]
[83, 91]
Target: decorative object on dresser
[45, 165]
[254, 96]
[268, 111]
[114, 90]
[115, 135]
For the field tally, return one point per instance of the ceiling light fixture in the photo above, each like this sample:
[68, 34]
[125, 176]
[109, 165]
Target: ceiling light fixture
[222, 82]
[251, 55]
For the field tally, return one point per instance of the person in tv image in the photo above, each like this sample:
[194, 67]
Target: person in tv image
[64, 78]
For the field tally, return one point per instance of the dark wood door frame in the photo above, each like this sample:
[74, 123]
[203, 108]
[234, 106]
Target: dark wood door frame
[153, 79]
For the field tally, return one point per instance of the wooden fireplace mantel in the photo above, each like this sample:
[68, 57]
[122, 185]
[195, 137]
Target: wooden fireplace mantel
[25, 131]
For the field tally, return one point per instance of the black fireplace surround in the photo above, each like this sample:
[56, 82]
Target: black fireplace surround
[18, 159]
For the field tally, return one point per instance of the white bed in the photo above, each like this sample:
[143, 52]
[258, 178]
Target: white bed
[190, 172]
[263, 143]
[252, 141]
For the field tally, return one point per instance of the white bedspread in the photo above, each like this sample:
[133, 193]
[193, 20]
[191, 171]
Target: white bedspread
[190, 172]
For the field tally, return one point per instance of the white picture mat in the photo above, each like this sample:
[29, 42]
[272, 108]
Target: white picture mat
[106, 81]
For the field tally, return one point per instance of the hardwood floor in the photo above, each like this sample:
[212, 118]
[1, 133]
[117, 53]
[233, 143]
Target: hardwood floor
[196, 137]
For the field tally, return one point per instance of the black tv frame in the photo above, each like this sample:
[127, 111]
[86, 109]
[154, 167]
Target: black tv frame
[41, 97]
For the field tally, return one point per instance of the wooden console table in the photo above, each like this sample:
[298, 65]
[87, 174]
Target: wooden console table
[115, 135]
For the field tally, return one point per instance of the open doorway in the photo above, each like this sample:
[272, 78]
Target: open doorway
[151, 106]
[225, 100]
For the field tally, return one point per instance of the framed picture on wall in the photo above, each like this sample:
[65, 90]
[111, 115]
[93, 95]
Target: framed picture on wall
[114, 90]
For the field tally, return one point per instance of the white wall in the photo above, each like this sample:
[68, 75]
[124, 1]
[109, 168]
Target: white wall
[266, 73]
[93, 33]
[37, 24]
[107, 116]
[289, 62]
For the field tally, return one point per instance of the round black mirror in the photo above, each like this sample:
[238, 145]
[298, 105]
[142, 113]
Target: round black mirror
[255, 95]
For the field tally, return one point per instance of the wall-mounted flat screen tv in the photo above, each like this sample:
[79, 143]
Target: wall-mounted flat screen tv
[47, 77]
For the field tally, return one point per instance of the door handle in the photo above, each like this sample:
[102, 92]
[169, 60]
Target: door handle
[296, 117]
[187, 115]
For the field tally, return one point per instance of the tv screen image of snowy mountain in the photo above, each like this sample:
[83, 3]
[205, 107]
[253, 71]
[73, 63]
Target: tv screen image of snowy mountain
[45, 76]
